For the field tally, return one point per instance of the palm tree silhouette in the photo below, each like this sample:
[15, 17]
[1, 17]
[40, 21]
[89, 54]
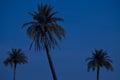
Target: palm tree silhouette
[16, 56]
[44, 31]
[98, 60]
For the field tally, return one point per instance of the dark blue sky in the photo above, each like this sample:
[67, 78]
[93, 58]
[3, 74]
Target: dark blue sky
[89, 24]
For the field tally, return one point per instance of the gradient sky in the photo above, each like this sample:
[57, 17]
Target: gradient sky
[89, 24]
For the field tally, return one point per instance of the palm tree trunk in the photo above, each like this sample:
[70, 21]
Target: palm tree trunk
[98, 72]
[14, 75]
[51, 63]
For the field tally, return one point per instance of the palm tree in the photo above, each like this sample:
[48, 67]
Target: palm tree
[98, 60]
[44, 31]
[16, 56]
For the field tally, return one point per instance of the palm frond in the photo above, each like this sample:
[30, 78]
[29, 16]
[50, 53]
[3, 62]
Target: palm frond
[108, 66]
[29, 23]
[91, 65]
[52, 14]
[8, 62]
[89, 58]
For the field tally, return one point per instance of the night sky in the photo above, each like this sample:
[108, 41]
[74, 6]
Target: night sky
[89, 25]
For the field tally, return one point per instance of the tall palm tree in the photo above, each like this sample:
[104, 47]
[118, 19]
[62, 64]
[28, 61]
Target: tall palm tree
[44, 31]
[16, 56]
[98, 60]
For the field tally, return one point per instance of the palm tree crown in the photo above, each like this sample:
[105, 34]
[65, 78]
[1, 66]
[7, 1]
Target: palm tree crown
[16, 56]
[43, 29]
[99, 58]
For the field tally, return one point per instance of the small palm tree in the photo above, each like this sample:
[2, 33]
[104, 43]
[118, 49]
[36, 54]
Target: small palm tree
[98, 60]
[44, 31]
[16, 56]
